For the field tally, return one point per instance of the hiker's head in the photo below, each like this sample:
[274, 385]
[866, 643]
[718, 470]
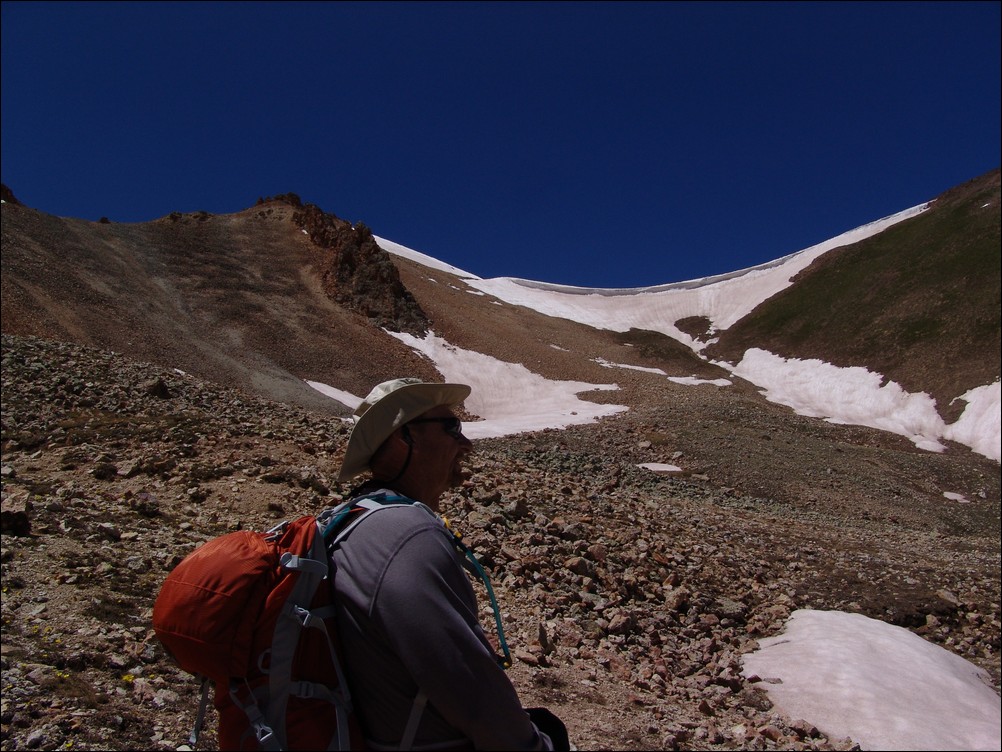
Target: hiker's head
[406, 432]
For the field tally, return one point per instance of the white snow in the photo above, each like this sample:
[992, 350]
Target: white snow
[509, 396]
[881, 685]
[844, 395]
[660, 467]
[345, 398]
[954, 496]
[432, 263]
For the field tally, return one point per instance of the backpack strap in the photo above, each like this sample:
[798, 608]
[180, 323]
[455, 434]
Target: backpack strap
[203, 705]
[339, 697]
[263, 733]
[295, 617]
[414, 720]
[342, 519]
[350, 514]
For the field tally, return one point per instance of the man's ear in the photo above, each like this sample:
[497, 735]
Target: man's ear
[405, 434]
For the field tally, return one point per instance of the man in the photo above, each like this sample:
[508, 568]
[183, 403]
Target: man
[421, 671]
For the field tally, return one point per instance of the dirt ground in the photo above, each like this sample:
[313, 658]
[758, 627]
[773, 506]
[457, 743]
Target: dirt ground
[628, 597]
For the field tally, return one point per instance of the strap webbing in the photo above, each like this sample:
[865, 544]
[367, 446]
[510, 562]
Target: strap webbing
[263, 733]
[203, 704]
[288, 630]
[413, 720]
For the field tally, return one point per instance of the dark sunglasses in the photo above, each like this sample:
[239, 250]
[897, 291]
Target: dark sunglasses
[452, 425]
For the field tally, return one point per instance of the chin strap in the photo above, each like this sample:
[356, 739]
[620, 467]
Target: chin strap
[406, 433]
[407, 462]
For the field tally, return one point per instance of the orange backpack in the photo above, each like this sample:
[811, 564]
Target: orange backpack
[253, 612]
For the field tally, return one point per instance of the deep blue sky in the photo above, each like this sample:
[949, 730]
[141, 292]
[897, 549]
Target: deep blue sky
[596, 144]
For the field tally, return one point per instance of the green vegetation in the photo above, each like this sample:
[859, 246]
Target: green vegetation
[923, 293]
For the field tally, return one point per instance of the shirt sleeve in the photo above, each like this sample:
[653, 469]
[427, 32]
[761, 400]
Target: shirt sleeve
[425, 604]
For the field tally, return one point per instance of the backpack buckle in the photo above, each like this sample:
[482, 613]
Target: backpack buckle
[303, 615]
[303, 564]
[263, 732]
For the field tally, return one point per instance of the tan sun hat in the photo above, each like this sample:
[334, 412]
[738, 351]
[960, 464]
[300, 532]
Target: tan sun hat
[388, 406]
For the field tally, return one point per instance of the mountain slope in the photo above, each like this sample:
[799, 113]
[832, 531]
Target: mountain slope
[244, 299]
[629, 595]
[240, 299]
[235, 298]
[918, 303]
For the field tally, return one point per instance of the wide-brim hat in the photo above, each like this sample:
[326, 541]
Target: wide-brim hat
[388, 406]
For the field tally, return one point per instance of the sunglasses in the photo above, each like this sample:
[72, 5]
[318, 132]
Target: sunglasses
[452, 425]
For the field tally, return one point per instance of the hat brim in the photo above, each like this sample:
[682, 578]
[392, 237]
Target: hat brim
[402, 405]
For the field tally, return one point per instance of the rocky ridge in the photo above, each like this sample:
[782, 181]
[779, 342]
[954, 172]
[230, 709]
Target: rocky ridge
[355, 272]
[628, 597]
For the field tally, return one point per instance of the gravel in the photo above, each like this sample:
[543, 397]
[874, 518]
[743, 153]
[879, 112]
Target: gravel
[628, 596]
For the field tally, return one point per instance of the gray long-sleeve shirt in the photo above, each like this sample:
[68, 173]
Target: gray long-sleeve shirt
[407, 620]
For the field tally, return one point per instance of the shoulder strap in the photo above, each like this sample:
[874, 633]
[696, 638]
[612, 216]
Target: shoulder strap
[296, 617]
[338, 522]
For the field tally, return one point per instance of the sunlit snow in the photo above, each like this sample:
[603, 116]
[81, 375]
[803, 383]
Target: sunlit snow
[881, 685]
[510, 397]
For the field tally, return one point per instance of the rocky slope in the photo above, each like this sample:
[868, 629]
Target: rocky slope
[283, 292]
[628, 597]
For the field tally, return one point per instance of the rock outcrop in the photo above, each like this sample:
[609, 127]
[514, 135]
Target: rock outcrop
[355, 272]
